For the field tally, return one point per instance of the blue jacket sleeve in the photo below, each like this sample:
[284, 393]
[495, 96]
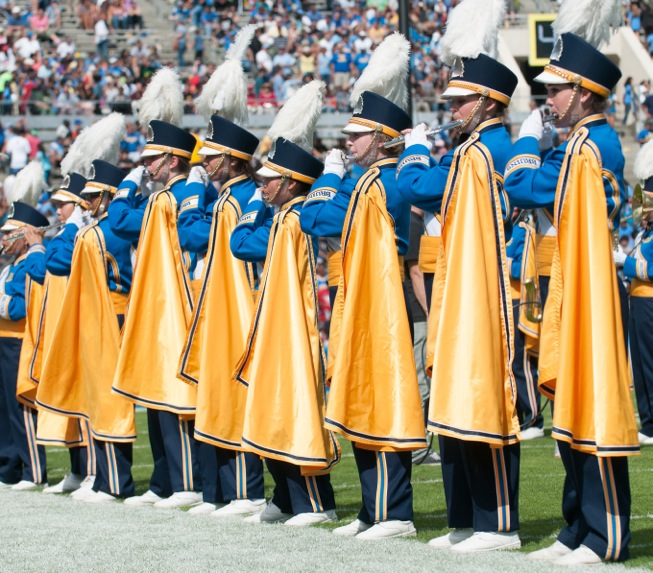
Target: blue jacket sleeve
[126, 212]
[249, 240]
[35, 263]
[12, 303]
[59, 254]
[515, 251]
[641, 267]
[420, 180]
[531, 181]
[195, 214]
[324, 211]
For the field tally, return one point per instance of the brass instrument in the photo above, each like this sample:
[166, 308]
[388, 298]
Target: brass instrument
[532, 300]
[547, 115]
[430, 133]
[20, 234]
[642, 205]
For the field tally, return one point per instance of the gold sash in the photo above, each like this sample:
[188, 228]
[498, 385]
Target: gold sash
[25, 386]
[429, 247]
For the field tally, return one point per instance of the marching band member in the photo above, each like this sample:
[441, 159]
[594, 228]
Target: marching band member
[374, 399]
[472, 406]
[79, 368]
[161, 299]
[526, 310]
[636, 268]
[22, 462]
[583, 364]
[225, 304]
[283, 365]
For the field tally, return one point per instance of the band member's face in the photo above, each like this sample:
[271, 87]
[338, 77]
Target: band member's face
[213, 162]
[275, 191]
[65, 210]
[462, 106]
[361, 149]
[557, 98]
[156, 167]
[94, 202]
[12, 248]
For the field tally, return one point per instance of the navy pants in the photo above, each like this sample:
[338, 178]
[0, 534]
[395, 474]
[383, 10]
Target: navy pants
[228, 474]
[114, 463]
[524, 367]
[295, 493]
[173, 450]
[641, 357]
[82, 458]
[481, 485]
[596, 503]
[385, 485]
[20, 457]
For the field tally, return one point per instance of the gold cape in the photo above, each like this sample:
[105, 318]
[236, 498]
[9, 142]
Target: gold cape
[283, 364]
[77, 373]
[583, 362]
[530, 328]
[25, 386]
[52, 429]
[218, 333]
[158, 316]
[473, 389]
[374, 398]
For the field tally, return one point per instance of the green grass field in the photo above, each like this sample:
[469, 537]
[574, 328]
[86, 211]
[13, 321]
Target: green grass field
[540, 493]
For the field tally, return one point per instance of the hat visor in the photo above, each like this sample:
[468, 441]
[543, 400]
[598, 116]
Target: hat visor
[457, 92]
[63, 198]
[151, 153]
[205, 150]
[90, 190]
[267, 173]
[549, 78]
[9, 227]
[356, 128]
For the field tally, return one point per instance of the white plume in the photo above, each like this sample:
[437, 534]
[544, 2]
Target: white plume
[589, 19]
[163, 99]
[297, 118]
[643, 167]
[100, 140]
[473, 29]
[387, 71]
[226, 91]
[28, 185]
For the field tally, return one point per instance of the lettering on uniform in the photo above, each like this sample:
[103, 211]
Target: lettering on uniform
[523, 162]
[248, 218]
[4, 306]
[321, 194]
[423, 159]
[122, 193]
[189, 203]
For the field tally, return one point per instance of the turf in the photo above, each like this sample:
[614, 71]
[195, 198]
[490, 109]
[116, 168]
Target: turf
[183, 537]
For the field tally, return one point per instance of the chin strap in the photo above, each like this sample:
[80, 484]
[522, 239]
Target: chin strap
[283, 181]
[363, 158]
[473, 115]
[217, 167]
[573, 119]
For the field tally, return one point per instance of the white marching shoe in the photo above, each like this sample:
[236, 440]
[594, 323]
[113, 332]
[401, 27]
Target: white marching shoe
[352, 529]
[388, 530]
[271, 514]
[179, 499]
[644, 440]
[148, 498]
[205, 508]
[70, 483]
[99, 497]
[85, 487]
[307, 519]
[483, 541]
[583, 555]
[450, 539]
[25, 485]
[550, 553]
[532, 433]
[240, 507]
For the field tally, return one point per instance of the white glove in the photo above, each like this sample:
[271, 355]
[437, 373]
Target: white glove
[417, 136]
[335, 163]
[532, 126]
[258, 196]
[136, 175]
[198, 175]
[619, 256]
[77, 218]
